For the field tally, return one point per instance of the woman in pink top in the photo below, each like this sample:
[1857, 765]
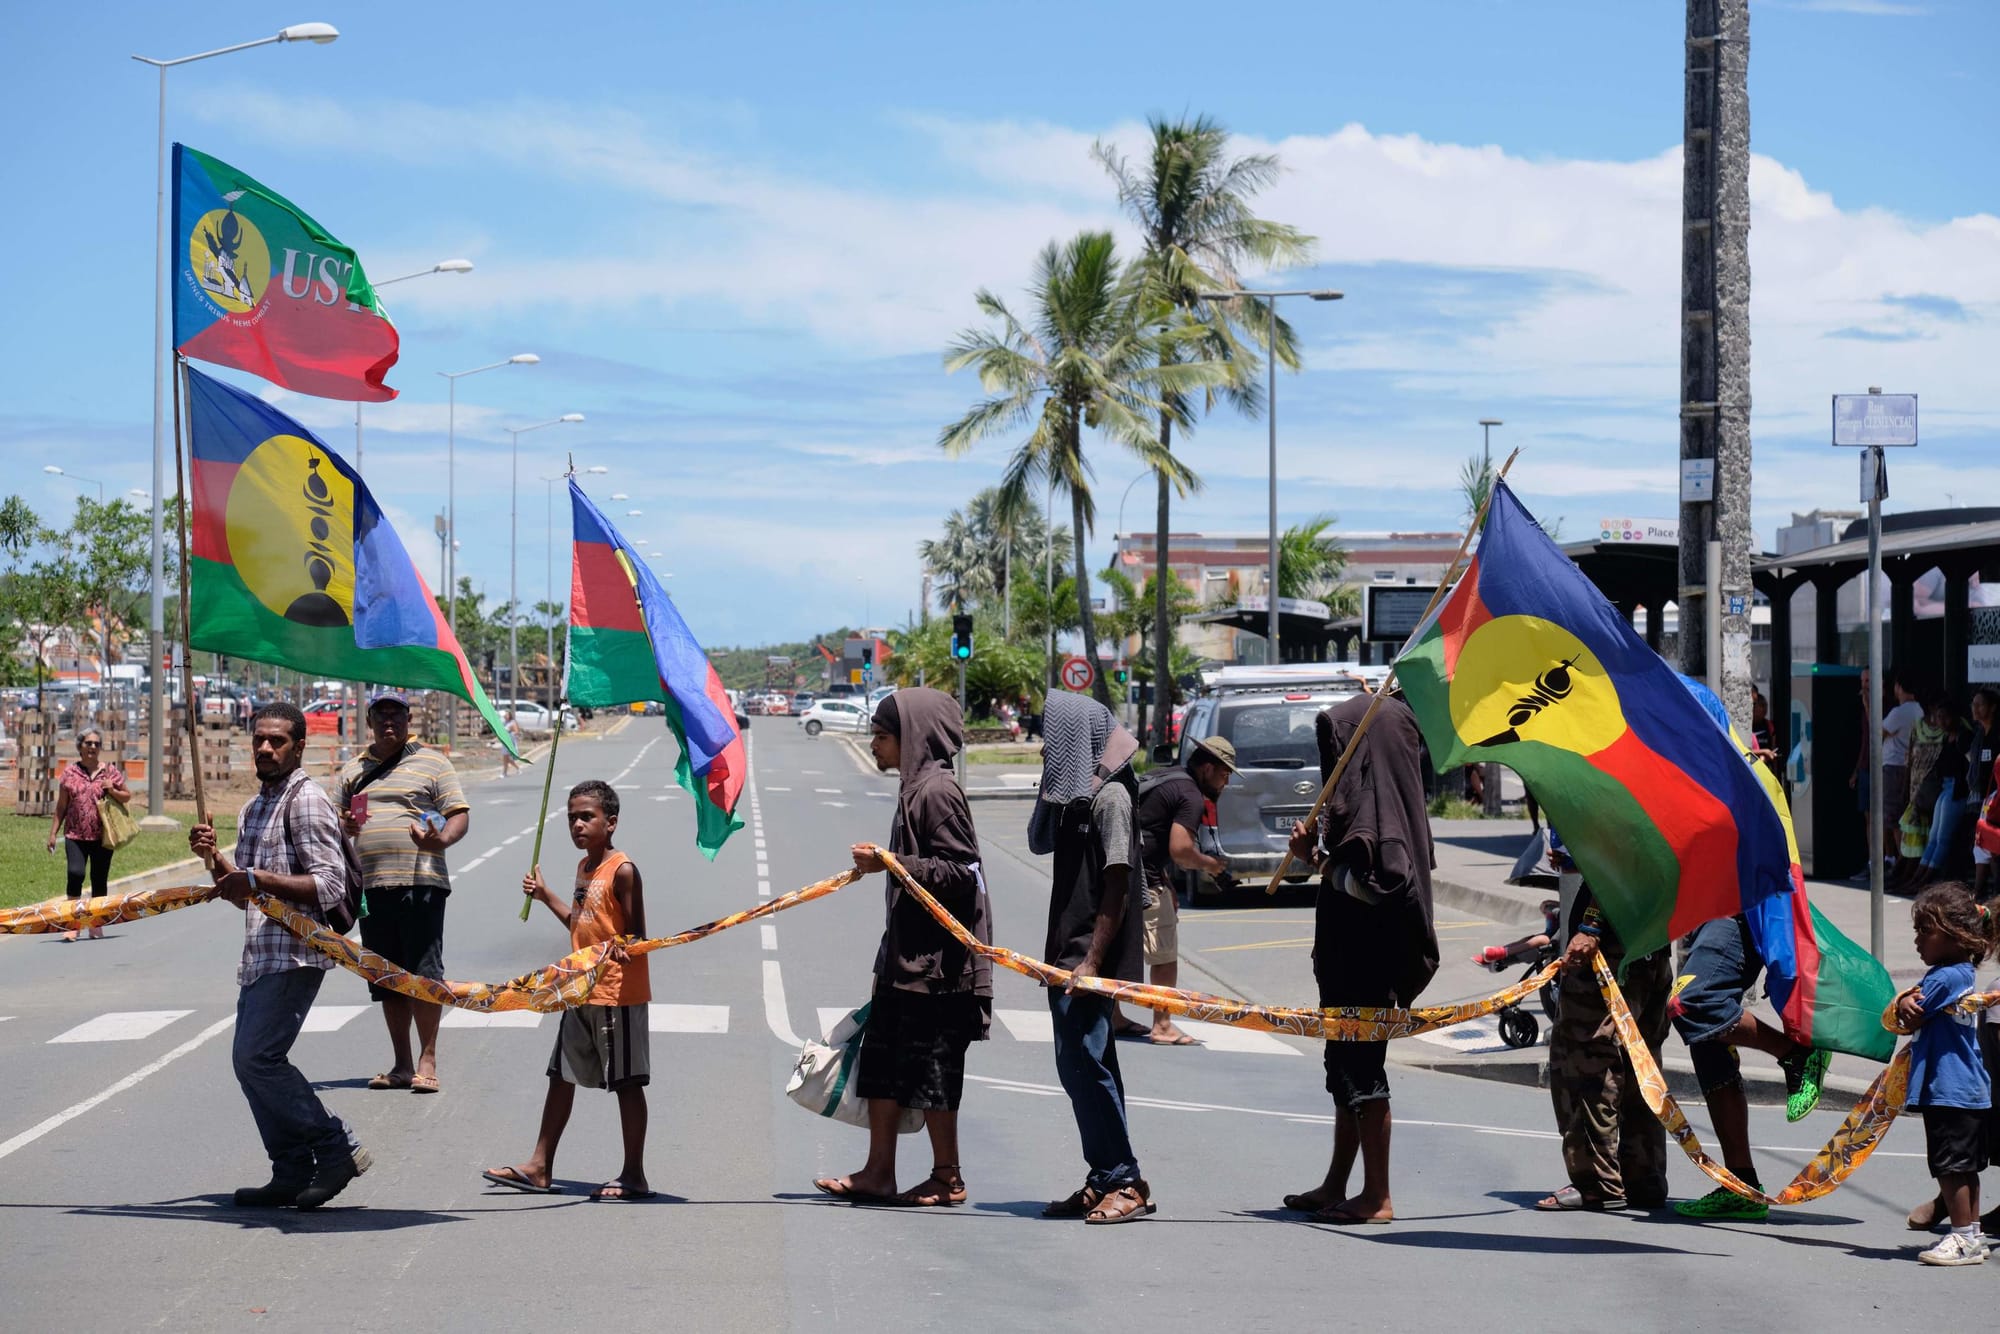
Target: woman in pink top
[76, 822]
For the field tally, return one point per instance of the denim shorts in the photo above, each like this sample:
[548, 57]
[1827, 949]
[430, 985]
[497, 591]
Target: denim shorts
[1721, 965]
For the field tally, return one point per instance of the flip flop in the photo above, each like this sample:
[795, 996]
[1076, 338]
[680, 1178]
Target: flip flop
[512, 1179]
[424, 1084]
[1184, 1040]
[1338, 1216]
[1570, 1200]
[389, 1081]
[1297, 1204]
[612, 1192]
[841, 1190]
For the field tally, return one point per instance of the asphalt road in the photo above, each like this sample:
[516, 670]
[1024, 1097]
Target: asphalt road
[119, 1145]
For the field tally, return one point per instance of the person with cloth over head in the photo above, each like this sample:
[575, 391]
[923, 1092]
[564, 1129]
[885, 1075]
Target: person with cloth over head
[1083, 815]
[933, 997]
[1374, 940]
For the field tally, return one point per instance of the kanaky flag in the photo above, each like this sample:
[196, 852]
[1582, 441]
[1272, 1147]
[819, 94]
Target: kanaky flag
[292, 562]
[627, 642]
[261, 287]
[1526, 664]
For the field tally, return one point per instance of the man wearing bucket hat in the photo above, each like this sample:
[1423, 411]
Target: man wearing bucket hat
[1171, 804]
[401, 803]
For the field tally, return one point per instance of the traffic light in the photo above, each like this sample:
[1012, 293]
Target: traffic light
[867, 655]
[1121, 675]
[961, 637]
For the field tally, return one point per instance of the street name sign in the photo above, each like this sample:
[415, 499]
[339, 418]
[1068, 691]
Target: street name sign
[1880, 420]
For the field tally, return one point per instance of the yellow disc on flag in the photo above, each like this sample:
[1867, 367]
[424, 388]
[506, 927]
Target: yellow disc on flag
[230, 260]
[291, 531]
[1521, 678]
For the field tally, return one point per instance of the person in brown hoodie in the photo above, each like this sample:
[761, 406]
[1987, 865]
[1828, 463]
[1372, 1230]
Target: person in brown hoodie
[1374, 938]
[933, 997]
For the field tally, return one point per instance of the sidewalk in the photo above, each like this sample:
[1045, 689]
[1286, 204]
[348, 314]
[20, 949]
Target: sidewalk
[1473, 859]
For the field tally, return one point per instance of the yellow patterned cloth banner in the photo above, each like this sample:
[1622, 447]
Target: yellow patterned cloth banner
[35, 919]
[562, 985]
[1340, 1024]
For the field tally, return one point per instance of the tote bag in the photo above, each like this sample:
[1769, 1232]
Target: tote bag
[115, 824]
[826, 1073]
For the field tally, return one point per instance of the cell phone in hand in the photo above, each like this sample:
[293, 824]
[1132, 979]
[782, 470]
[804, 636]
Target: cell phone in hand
[357, 807]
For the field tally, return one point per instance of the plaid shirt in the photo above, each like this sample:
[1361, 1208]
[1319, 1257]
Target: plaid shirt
[314, 846]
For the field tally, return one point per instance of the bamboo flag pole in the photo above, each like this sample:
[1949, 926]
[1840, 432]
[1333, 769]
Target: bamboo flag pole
[1375, 706]
[542, 823]
[181, 500]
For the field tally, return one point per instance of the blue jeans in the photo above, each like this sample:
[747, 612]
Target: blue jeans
[296, 1127]
[1947, 818]
[1087, 1064]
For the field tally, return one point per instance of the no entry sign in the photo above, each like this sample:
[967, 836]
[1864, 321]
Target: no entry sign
[1077, 673]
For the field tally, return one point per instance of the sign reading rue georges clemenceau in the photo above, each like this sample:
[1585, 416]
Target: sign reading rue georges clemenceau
[1881, 420]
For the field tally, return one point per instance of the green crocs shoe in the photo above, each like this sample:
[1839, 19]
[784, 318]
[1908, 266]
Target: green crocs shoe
[1723, 1206]
[1805, 1074]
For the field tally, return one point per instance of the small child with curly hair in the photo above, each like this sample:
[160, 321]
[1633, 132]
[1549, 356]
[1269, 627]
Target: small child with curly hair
[1948, 1078]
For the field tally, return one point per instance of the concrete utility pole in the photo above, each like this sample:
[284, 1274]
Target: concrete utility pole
[1715, 351]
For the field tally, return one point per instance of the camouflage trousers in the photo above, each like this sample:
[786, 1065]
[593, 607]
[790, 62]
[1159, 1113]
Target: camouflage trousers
[1613, 1146]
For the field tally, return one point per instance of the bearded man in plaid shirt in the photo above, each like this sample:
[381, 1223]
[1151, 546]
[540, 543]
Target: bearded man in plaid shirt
[289, 847]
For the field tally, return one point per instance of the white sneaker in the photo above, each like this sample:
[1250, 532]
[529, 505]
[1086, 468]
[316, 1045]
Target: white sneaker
[1955, 1250]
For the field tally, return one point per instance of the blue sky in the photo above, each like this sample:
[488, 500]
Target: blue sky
[738, 237]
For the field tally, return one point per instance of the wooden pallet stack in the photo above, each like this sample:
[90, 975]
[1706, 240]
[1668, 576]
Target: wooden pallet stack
[36, 764]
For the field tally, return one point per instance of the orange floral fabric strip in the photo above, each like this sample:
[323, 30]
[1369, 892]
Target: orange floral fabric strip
[33, 919]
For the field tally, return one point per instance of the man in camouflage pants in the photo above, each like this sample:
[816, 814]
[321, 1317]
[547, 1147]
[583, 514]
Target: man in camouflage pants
[1614, 1148]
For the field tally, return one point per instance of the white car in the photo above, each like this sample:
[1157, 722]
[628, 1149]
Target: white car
[838, 715]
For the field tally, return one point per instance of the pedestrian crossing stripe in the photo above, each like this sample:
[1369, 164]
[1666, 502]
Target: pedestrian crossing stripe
[671, 1017]
[121, 1026]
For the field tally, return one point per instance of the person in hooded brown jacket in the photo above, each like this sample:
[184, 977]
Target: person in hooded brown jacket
[933, 997]
[1374, 939]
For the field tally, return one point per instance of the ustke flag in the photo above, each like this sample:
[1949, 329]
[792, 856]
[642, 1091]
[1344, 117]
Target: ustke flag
[627, 642]
[261, 287]
[292, 562]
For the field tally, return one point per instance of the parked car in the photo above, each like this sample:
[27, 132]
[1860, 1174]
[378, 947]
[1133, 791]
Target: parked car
[777, 705]
[1268, 714]
[803, 700]
[838, 715]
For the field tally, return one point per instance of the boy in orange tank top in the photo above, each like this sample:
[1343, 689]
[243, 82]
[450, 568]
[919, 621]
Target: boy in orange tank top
[604, 1043]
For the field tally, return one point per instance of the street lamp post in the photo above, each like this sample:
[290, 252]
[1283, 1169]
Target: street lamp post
[451, 503]
[57, 470]
[549, 569]
[1271, 411]
[513, 557]
[319, 34]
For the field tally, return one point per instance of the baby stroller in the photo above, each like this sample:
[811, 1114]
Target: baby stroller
[1518, 1028]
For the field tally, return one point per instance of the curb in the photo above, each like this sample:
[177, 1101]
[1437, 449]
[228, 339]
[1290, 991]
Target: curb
[1763, 1087]
[163, 877]
[1501, 908]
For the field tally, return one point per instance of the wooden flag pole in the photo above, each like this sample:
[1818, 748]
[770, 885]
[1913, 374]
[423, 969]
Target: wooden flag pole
[1375, 705]
[542, 823]
[187, 654]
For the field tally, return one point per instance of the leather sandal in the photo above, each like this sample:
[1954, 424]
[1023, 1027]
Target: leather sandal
[1077, 1205]
[918, 1197]
[1127, 1204]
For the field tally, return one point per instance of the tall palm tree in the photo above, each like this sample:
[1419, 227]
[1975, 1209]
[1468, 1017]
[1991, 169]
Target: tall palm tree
[1192, 202]
[959, 566]
[1086, 360]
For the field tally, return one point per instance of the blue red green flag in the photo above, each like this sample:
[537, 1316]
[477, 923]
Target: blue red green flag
[627, 642]
[292, 562]
[261, 287]
[1526, 664]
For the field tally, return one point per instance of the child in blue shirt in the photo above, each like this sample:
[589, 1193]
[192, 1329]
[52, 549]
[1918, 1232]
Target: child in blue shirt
[1948, 1079]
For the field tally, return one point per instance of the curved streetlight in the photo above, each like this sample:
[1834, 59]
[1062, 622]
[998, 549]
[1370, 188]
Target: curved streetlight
[1270, 300]
[56, 470]
[513, 560]
[314, 34]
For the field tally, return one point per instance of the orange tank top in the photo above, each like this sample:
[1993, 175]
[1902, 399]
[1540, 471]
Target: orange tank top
[595, 918]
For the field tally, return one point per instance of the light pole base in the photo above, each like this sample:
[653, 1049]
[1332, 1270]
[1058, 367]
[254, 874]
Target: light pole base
[159, 824]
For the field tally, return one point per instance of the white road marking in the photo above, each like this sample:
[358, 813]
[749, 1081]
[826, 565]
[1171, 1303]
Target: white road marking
[879, 794]
[1027, 1025]
[774, 789]
[1228, 1037]
[668, 1017]
[837, 805]
[769, 935]
[516, 838]
[67, 1114]
[833, 790]
[812, 773]
[763, 889]
[329, 1018]
[121, 1026]
[1479, 1036]
[775, 1017]
[457, 1018]
[663, 798]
